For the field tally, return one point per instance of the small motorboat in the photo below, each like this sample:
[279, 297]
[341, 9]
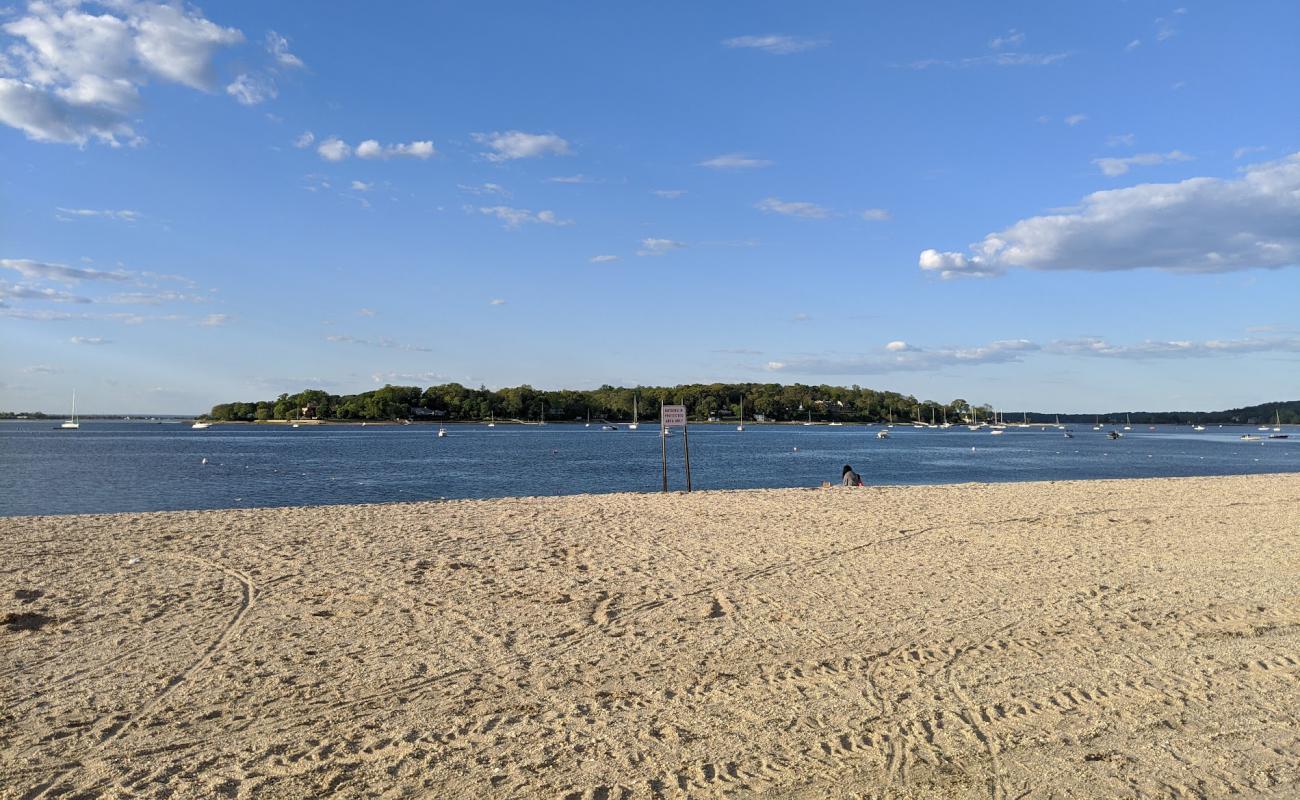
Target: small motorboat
[1279, 436]
[1113, 434]
[442, 431]
[198, 426]
[882, 434]
[1250, 437]
[1069, 435]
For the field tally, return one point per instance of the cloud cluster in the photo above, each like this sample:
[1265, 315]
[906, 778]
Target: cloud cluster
[251, 89]
[383, 342]
[76, 75]
[1196, 225]
[775, 44]
[900, 356]
[511, 145]
[514, 217]
[335, 149]
[42, 270]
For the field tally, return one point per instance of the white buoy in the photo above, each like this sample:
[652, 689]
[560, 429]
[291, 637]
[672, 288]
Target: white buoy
[204, 461]
[796, 449]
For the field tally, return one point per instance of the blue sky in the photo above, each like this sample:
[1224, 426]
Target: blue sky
[1069, 208]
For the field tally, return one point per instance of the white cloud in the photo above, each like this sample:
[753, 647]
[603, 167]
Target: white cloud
[76, 75]
[514, 217]
[1012, 38]
[251, 90]
[89, 340]
[365, 312]
[304, 140]
[994, 60]
[1195, 225]
[1165, 29]
[1242, 152]
[1121, 140]
[151, 298]
[215, 320]
[668, 194]
[1133, 45]
[1113, 167]
[496, 302]
[773, 205]
[572, 179]
[658, 247]
[1093, 346]
[40, 369]
[603, 259]
[1075, 119]
[800, 317]
[387, 377]
[40, 270]
[362, 186]
[900, 356]
[775, 44]
[372, 149]
[486, 188]
[278, 46]
[122, 215]
[334, 149]
[517, 144]
[384, 342]
[18, 291]
[877, 215]
[734, 161]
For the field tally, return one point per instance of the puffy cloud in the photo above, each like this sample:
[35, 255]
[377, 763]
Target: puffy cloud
[775, 44]
[76, 75]
[1075, 119]
[514, 217]
[40, 270]
[1196, 225]
[1118, 166]
[511, 145]
[372, 149]
[304, 140]
[334, 149]
[90, 340]
[251, 90]
[877, 215]
[215, 320]
[1242, 152]
[603, 259]
[734, 161]
[658, 247]
[362, 186]
[278, 47]
[123, 215]
[773, 205]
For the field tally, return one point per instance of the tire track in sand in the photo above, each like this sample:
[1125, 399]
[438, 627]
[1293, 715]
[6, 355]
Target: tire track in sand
[247, 599]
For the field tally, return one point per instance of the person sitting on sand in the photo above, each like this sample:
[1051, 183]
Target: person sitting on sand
[851, 478]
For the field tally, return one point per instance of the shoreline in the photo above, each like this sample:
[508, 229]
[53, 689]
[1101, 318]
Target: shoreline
[1076, 637]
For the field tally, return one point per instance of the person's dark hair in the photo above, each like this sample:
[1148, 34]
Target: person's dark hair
[847, 470]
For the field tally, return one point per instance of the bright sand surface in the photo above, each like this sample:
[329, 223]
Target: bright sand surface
[1077, 639]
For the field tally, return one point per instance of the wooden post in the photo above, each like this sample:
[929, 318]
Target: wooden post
[663, 444]
[686, 444]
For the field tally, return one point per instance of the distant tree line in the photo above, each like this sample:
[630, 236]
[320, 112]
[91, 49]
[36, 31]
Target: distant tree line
[777, 402]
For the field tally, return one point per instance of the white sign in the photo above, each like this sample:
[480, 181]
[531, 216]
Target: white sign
[673, 417]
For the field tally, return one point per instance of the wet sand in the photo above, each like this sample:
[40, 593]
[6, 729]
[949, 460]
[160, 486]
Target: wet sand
[1135, 638]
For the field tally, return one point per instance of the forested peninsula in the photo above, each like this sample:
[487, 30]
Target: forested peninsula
[762, 401]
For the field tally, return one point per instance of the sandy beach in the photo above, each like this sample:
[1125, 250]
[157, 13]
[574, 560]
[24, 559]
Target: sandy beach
[1099, 639]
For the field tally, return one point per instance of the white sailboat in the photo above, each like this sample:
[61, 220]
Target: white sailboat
[1128, 422]
[1277, 421]
[492, 419]
[442, 431]
[72, 424]
[809, 422]
[633, 426]
[741, 426]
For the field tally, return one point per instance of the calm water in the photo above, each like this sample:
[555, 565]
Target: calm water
[129, 466]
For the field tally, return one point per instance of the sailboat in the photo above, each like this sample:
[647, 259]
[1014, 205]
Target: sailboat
[809, 422]
[492, 419]
[1128, 422]
[633, 426]
[1277, 421]
[975, 423]
[442, 430]
[588, 425]
[1096, 425]
[72, 424]
[741, 426]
